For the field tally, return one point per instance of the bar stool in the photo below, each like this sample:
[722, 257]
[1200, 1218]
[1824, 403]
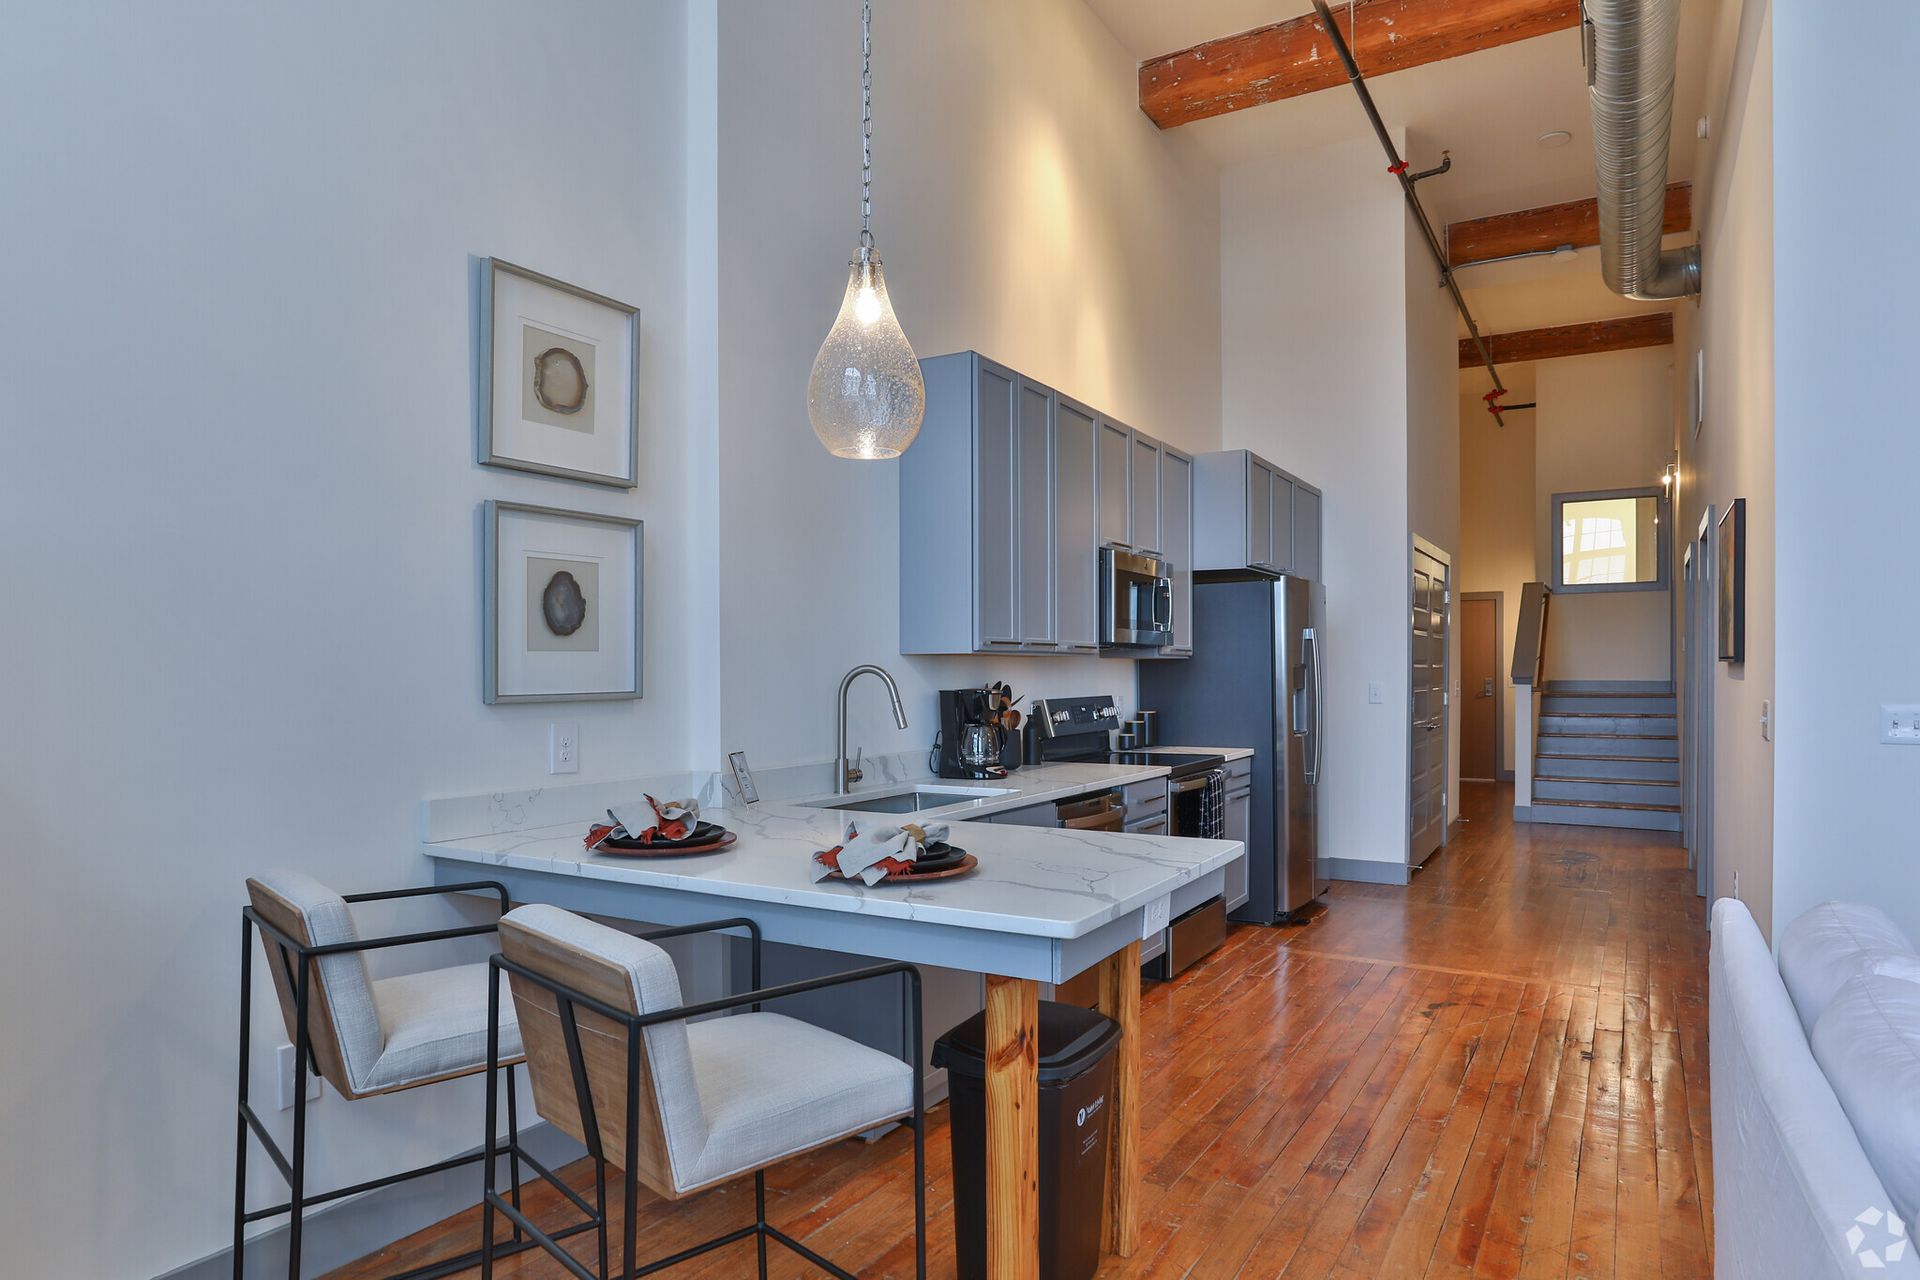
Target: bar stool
[363, 1036]
[682, 1106]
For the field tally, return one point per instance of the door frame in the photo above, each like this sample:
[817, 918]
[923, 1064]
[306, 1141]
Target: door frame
[1500, 771]
[1419, 545]
[1702, 664]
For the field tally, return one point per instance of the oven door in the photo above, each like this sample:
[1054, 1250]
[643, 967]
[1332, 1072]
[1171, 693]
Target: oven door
[1136, 601]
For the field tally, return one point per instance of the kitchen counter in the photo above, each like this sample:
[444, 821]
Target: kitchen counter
[1230, 754]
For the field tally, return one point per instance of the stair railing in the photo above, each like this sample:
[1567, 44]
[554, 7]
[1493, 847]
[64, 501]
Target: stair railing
[1529, 679]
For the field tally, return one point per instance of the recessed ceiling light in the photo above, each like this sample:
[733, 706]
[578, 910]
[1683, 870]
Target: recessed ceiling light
[1557, 138]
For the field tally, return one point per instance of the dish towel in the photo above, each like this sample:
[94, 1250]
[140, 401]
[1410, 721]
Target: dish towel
[1213, 806]
[881, 852]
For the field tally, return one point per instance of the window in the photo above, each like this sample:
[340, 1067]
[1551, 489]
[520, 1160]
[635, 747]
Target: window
[1610, 541]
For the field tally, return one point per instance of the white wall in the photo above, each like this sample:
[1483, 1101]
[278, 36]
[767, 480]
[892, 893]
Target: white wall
[1733, 456]
[1497, 537]
[1604, 422]
[1432, 362]
[1314, 375]
[240, 490]
[1848, 459]
[1024, 208]
[240, 506]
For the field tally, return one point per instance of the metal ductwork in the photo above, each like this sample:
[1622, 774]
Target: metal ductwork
[1633, 47]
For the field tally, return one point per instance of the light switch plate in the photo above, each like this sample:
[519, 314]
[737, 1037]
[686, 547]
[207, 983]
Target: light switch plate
[285, 1061]
[1158, 914]
[563, 747]
[1375, 694]
[1900, 724]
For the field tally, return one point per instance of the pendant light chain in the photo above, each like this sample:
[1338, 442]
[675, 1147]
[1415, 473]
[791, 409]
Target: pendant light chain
[866, 124]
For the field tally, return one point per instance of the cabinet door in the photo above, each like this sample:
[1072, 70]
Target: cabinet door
[1306, 533]
[1033, 526]
[1176, 541]
[1259, 514]
[1075, 533]
[995, 579]
[1282, 532]
[1116, 442]
[1143, 484]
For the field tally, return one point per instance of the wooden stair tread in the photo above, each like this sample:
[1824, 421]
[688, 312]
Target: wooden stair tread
[1612, 715]
[1606, 804]
[1552, 692]
[1569, 755]
[1625, 782]
[1635, 737]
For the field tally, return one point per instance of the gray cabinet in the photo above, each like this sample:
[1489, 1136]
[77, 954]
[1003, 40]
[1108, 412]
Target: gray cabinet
[1033, 815]
[1239, 827]
[1076, 535]
[1176, 544]
[1143, 488]
[1005, 499]
[1250, 514]
[1033, 562]
[1114, 494]
[1306, 531]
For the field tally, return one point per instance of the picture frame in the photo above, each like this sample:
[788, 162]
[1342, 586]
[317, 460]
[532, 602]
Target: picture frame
[562, 608]
[1732, 590]
[559, 386]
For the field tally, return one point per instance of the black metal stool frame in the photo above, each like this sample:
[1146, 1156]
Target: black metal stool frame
[568, 1003]
[299, 961]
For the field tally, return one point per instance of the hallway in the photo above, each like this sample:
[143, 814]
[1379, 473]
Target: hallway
[1500, 1070]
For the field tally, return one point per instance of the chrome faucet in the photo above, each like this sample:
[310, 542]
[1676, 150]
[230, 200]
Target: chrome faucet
[845, 776]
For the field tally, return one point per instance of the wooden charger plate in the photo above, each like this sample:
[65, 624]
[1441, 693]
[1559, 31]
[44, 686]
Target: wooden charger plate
[662, 851]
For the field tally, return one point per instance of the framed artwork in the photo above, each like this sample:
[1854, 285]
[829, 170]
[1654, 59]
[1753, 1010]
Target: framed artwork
[1733, 582]
[562, 608]
[559, 371]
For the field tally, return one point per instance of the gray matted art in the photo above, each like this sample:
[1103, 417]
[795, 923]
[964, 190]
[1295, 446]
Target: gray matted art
[562, 609]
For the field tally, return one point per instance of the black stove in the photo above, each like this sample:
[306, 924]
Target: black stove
[1074, 731]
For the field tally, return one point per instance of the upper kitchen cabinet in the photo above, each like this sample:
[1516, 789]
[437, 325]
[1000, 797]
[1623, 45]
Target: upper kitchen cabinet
[1176, 543]
[1249, 514]
[1006, 497]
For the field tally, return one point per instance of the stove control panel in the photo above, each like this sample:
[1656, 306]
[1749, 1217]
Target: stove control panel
[1071, 717]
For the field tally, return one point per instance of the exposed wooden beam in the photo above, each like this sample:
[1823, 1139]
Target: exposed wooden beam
[1576, 223]
[1654, 329]
[1292, 58]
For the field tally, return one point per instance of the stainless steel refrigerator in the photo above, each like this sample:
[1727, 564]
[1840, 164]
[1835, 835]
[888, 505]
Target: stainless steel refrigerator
[1255, 680]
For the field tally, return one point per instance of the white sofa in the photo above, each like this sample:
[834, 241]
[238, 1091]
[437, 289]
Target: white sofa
[1796, 1194]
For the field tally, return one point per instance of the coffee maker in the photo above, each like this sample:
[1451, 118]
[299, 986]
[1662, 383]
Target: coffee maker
[971, 744]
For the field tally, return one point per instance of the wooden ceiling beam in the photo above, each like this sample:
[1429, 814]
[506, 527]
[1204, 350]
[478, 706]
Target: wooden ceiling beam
[1288, 59]
[1575, 223]
[1653, 329]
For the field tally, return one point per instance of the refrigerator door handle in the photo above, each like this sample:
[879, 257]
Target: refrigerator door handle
[1311, 639]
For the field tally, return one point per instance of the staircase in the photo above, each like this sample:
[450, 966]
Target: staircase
[1607, 754]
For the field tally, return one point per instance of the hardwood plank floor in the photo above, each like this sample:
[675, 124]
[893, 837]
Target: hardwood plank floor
[1499, 1070]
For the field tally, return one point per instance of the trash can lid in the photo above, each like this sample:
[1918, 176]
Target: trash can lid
[1072, 1040]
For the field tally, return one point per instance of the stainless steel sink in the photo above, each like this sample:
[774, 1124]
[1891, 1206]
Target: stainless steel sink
[914, 801]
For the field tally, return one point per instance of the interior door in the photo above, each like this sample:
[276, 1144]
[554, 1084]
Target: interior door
[1480, 688]
[1427, 749]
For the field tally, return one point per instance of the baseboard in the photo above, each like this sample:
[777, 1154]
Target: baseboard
[353, 1228]
[1523, 813]
[1365, 871]
[1506, 775]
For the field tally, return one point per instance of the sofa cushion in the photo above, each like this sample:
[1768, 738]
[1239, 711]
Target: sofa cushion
[1825, 947]
[1867, 1041]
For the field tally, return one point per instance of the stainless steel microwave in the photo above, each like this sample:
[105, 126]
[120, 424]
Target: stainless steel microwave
[1136, 600]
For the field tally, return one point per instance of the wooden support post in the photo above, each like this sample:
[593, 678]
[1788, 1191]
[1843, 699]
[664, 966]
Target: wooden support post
[1013, 1129]
[1120, 1000]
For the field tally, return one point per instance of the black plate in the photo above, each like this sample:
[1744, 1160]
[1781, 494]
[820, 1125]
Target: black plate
[938, 858]
[705, 833]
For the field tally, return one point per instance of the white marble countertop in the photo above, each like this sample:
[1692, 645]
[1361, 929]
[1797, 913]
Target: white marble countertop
[1230, 754]
[1045, 882]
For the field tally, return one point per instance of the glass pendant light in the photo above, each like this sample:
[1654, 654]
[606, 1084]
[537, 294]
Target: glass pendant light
[866, 397]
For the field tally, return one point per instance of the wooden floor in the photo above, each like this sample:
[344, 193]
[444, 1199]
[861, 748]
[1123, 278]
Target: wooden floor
[1500, 1070]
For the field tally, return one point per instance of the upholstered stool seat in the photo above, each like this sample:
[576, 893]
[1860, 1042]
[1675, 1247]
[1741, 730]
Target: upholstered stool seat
[434, 1025]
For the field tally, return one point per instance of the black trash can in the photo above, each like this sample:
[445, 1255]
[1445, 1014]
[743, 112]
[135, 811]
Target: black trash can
[1076, 1084]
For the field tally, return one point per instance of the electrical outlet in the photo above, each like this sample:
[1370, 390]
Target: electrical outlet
[1375, 694]
[285, 1060]
[563, 747]
[1900, 724]
[1766, 719]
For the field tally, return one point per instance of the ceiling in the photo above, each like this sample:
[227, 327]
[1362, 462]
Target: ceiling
[1488, 109]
